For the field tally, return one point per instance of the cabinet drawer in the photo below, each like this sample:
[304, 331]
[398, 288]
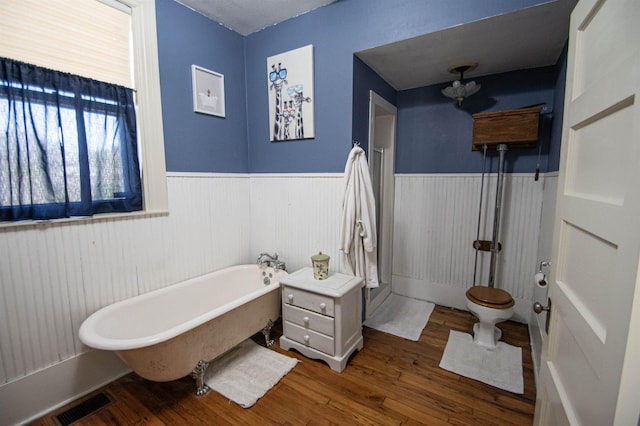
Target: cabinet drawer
[309, 338]
[304, 299]
[309, 320]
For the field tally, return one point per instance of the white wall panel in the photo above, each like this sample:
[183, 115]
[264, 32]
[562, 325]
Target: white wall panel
[434, 228]
[297, 216]
[53, 276]
[436, 224]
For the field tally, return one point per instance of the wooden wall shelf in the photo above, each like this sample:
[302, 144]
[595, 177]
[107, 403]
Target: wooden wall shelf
[517, 128]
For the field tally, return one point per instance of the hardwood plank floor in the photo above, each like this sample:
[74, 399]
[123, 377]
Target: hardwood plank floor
[392, 381]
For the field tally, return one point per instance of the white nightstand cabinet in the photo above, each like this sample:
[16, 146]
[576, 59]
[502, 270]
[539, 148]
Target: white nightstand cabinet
[322, 319]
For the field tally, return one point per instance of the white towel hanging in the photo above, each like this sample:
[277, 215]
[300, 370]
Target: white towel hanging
[358, 238]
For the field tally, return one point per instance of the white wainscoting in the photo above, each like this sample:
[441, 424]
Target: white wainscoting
[435, 225]
[297, 216]
[54, 276]
[436, 220]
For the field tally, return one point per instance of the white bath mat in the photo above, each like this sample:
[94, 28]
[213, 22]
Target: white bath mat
[500, 367]
[245, 373]
[401, 316]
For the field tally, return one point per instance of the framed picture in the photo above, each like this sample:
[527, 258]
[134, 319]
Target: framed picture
[208, 91]
[291, 99]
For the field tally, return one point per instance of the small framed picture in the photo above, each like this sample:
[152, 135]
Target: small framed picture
[208, 91]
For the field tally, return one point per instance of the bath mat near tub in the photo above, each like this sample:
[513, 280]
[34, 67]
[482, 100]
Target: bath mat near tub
[401, 316]
[500, 367]
[245, 373]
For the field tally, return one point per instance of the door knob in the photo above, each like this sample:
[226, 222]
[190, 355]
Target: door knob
[538, 309]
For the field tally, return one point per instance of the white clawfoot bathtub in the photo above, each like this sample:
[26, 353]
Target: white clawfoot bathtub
[170, 333]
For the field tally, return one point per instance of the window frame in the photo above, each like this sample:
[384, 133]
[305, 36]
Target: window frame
[148, 115]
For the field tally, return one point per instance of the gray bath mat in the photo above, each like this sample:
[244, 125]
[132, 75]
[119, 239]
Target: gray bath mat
[500, 367]
[401, 316]
[245, 373]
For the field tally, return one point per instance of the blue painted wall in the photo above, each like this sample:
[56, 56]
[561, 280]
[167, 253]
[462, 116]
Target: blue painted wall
[558, 111]
[240, 142]
[197, 142]
[336, 32]
[434, 133]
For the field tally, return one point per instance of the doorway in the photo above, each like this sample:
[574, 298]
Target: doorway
[382, 140]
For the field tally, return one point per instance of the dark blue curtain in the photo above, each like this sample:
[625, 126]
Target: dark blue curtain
[68, 145]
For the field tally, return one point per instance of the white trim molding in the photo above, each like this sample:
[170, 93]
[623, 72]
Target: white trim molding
[30, 397]
[150, 128]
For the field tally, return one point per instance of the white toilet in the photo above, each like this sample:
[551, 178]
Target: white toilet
[491, 306]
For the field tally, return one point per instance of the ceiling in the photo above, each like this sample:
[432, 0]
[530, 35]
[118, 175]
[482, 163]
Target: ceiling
[528, 38]
[248, 16]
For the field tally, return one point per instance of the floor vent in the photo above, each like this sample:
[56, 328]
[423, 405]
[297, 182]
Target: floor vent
[83, 409]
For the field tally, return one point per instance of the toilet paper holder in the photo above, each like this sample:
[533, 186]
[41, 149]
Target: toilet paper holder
[544, 263]
[541, 278]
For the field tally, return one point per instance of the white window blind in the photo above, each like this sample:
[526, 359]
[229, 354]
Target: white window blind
[83, 37]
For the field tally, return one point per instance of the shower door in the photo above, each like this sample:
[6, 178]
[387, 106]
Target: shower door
[377, 171]
[382, 130]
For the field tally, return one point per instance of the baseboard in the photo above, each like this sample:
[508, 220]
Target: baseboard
[439, 294]
[33, 396]
[372, 305]
[446, 295]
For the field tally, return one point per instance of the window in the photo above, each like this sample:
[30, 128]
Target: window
[68, 145]
[140, 18]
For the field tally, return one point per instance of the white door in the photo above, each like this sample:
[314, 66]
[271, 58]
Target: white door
[382, 137]
[589, 373]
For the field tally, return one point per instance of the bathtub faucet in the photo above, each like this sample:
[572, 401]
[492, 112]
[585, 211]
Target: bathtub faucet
[272, 261]
[266, 258]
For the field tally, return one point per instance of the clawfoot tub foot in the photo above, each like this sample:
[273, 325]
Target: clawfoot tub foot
[266, 331]
[198, 374]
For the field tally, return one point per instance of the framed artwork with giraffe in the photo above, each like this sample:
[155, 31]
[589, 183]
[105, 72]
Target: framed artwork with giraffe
[208, 91]
[291, 99]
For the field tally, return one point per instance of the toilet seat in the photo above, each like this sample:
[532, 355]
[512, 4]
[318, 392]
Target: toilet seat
[490, 297]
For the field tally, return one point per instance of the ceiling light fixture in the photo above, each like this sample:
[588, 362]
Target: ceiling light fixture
[459, 90]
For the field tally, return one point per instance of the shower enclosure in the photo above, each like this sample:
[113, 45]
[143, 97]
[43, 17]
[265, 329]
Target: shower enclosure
[382, 134]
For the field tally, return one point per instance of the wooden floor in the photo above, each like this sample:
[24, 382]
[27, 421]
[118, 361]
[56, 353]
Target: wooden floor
[391, 381]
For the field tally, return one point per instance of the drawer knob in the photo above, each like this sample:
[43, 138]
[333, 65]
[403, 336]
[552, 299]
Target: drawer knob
[323, 306]
[290, 297]
[306, 320]
[306, 339]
